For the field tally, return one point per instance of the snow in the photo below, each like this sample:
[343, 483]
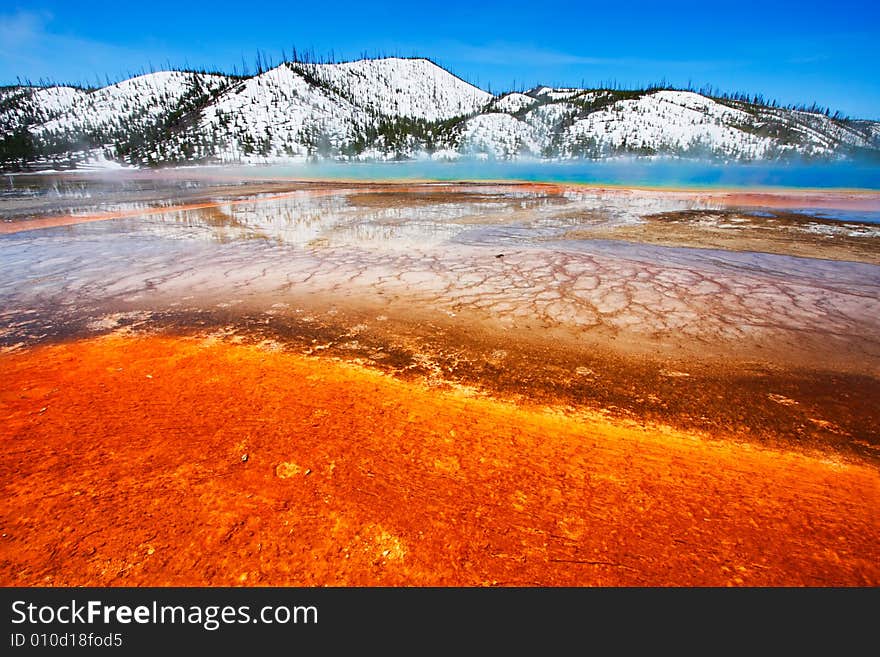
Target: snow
[136, 100]
[512, 103]
[36, 105]
[99, 162]
[55, 100]
[415, 88]
[287, 114]
[279, 106]
[549, 93]
[671, 120]
[498, 135]
[358, 110]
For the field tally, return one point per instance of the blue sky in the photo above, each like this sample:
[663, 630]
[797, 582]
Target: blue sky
[796, 52]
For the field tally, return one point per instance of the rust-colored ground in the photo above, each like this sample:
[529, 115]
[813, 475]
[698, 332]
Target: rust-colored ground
[168, 461]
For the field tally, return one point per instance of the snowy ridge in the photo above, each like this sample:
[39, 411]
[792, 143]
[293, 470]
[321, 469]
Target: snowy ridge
[279, 112]
[29, 106]
[137, 99]
[415, 88]
[393, 108]
[512, 103]
[667, 121]
[302, 110]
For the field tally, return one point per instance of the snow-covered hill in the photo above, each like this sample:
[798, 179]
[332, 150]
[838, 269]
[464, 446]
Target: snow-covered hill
[393, 108]
[414, 88]
[141, 99]
[25, 106]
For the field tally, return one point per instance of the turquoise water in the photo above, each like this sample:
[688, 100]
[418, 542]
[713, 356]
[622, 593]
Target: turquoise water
[636, 172]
